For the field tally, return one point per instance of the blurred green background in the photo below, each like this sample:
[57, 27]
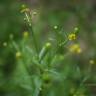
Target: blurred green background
[65, 14]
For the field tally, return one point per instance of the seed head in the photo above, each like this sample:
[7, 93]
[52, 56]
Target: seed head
[34, 13]
[76, 29]
[5, 44]
[23, 6]
[48, 45]
[11, 36]
[26, 34]
[18, 55]
[55, 27]
[25, 10]
[92, 61]
[44, 50]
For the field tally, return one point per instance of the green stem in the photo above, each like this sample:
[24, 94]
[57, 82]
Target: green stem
[31, 30]
[34, 39]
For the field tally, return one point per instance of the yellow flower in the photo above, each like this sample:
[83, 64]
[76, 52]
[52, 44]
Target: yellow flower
[75, 48]
[26, 34]
[79, 50]
[72, 36]
[92, 61]
[18, 55]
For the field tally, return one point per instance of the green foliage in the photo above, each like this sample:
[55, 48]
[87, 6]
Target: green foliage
[45, 59]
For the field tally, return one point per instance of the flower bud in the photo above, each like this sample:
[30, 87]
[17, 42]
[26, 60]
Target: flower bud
[44, 51]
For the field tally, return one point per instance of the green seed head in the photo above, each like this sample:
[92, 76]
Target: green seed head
[55, 27]
[76, 29]
[44, 50]
[48, 45]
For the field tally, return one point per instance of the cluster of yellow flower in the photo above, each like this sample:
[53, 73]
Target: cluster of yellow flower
[74, 47]
[72, 36]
